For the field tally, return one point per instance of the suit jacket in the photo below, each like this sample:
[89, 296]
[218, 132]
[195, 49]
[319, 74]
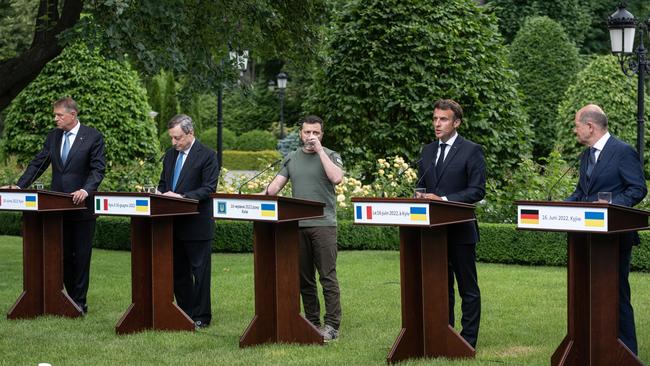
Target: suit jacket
[462, 180]
[197, 180]
[84, 168]
[617, 170]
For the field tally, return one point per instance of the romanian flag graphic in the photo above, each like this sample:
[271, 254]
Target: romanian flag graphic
[141, 205]
[418, 214]
[529, 217]
[359, 213]
[595, 219]
[268, 209]
[30, 201]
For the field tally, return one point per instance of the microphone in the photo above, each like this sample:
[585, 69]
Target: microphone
[266, 190]
[550, 191]
[36, 174]
[425, 173]
[257, 175]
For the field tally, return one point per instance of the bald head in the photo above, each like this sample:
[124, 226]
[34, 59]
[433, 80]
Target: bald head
[590, 124]
[594, 114]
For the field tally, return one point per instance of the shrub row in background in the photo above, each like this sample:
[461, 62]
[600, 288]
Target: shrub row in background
[249, 160]
[500, 243]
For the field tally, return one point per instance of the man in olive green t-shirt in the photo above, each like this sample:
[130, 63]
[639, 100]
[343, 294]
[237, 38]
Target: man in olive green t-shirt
[314, 170]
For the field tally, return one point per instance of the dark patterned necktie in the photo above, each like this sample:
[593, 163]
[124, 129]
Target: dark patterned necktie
[441, 158]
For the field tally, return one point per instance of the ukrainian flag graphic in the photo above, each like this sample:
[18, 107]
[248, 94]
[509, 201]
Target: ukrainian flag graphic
[268, 209]
[418, 214]
[30, 201]
[141, 205]
[594, 219]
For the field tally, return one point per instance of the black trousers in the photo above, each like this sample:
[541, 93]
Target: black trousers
[626, 328]
[462, 267]
[192, 272]
[318, 252]
[77, 248]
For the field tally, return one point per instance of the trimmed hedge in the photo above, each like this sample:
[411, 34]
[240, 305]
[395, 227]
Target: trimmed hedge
[500, 243]
[249, 160]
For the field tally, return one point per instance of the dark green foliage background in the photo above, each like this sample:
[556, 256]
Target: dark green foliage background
[603, 83]
[109, 96]
[386, 63]
[547, 63]
[574, 15]
[256, 140]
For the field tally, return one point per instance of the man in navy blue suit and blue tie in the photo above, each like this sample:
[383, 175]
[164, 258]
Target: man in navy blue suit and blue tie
[452, 168]
[76, 153]
[190, 170]
[610, 165]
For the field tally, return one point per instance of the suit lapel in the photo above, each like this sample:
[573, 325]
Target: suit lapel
[78, 141]
[603, 159]
[453, 150]
[56, 154]
[189, 161]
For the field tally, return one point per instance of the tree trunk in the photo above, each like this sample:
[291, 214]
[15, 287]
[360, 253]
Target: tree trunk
[16, 73]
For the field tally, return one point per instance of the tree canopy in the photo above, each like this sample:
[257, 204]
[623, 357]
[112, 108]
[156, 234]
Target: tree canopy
[388, 61]
[545, 71]
[109, 96]
[188, 37]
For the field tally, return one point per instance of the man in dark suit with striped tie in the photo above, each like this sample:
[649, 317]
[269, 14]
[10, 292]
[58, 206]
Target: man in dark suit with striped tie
[611, 165]
[453, 169]
[76, 153]
[190, 170]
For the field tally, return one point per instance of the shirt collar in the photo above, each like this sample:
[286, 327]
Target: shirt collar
[187, 151]
[451, 140]
[75, 129]
[600, 144]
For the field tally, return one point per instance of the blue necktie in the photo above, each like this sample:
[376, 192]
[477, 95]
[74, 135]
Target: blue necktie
[591, 162]
[66, 146]
[177, 169]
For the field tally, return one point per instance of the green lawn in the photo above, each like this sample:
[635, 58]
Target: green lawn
[523, 317]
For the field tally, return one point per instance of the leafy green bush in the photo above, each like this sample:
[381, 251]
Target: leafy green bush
[543, 90]
[574, 15]
[256, 140]
[601, 82]
[388, 61]
[289, 143]
[249, 160]
[529, 181]
[109, 96]
[209, 138]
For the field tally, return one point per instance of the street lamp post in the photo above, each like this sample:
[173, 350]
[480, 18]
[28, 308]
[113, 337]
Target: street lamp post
[622, 26]
[282, 84]
[241, 62]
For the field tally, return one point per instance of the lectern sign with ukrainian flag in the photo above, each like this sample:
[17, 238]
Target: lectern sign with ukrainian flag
[394, 213]
[562, 218]
[123, 205]
[247, 209]
[19, 201]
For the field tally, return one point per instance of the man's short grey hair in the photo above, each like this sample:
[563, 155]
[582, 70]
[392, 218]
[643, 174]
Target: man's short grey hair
[182, 120]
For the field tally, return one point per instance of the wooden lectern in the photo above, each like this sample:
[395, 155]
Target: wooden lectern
[423, 269]
[277, 274]
[42, 252]
[152, 281]
[592, 263]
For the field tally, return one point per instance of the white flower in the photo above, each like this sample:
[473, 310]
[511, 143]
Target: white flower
[340, 198]
[381, 171]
